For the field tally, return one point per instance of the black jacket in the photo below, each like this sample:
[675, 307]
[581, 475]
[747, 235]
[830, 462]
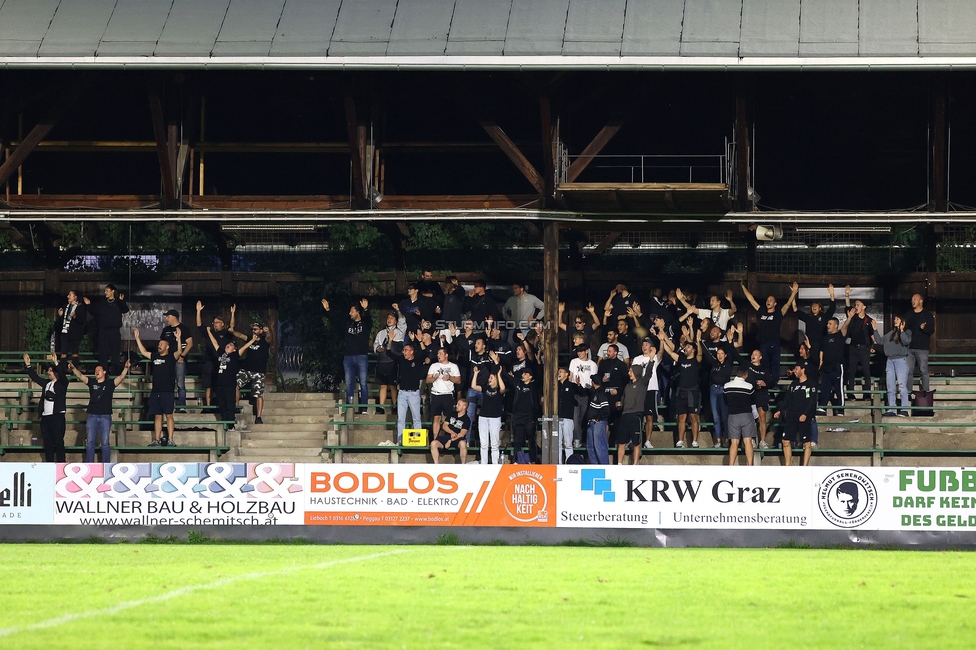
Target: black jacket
[109, 313]
[60, 387]
[76, 325]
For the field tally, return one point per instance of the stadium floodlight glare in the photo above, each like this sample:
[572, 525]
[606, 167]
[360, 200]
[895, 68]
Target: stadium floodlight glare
[844, 229]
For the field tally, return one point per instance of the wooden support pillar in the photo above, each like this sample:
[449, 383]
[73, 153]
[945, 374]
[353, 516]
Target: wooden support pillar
[357, 147]
[743, 149]
[167, 160]
[550, 343]
[939, 130]
[548, 155]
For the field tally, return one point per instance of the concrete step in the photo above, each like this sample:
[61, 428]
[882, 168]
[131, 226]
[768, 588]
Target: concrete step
[297, 417]
[308, 454]
[282, 457]
[272, 429]
[276, 442]
[364, 438]
[258, 433]
[299, 397]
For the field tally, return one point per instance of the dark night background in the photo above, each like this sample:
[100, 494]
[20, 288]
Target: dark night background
[823, 140]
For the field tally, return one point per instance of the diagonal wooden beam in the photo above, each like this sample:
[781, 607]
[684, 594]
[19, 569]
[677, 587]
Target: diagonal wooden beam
[607, 243]
[41, 129]
[166, 162]
[515, 155]
[595, 147]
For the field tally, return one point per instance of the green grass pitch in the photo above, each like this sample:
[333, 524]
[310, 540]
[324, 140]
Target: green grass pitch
[125, 596]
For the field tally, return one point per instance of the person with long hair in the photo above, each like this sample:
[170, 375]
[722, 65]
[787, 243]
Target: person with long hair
[896, 345]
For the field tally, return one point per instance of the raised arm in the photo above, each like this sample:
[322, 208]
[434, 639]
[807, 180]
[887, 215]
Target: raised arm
[791, 301]
[199, 312]
[233, 315]
[125, 370]
[142, 349]
[729, 295]
[847, 296]
[77, 373]
[595, 325]
[247, 345]
[684, 300]
[562, 309]
[213, 340]
[698, 345]
[178, 352]
[846, 325]
[474, 379]
[501, 382]
[832, 307]
[749, 296]
[668, 346]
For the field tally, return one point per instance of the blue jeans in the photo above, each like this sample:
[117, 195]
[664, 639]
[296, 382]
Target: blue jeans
[407, 399]
[100, 426]
[597, 445]
[356, 365]
[771, 352]
[475, 399]
[896, 370]
[181, 383]
[720, 412]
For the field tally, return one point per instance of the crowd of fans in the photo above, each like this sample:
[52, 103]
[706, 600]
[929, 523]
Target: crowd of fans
[225, 371]
[631, 365]
[475, 362]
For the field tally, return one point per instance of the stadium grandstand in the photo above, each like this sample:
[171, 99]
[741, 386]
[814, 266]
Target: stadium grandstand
[266, 155]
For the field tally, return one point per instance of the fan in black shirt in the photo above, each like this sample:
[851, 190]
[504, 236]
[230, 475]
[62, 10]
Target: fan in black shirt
[225, 381]
[164, 383]
[99, 423]
[358, 342]
[687, 394]
[832, 368]
[770, 321]
[453, 432]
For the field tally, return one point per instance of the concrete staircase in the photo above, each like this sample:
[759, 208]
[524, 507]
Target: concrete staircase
[293, 431]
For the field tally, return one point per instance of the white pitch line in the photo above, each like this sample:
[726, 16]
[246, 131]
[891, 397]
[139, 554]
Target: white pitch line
[176, 593]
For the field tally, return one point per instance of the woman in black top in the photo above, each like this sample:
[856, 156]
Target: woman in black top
[770, 322]
[51, 407]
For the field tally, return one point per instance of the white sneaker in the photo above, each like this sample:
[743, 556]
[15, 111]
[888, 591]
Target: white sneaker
[680, 444]
[717, 444]
[694, 444]
[648, 445]
[577, 443]
[763, 444]
[813, 445]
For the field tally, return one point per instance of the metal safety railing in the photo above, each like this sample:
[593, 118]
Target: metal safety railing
[658, 168]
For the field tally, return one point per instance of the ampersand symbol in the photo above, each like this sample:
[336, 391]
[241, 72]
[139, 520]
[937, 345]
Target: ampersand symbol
[171, 474]
[121, 481]
[268, 482]
[76, 482]
[221, 479]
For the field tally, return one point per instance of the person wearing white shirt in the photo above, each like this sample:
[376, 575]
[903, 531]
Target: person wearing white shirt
[720, 316]
[613, 339]
[386, 368]
[651, 356]
[443, 376]
[583, 368]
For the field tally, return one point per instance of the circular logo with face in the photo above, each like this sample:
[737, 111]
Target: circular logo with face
[847, 498]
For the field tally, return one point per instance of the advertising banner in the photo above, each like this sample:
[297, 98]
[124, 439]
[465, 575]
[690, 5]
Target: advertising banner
[568, 496]
[430, 495]
[817, 498]
[178, 494]
[26, 493]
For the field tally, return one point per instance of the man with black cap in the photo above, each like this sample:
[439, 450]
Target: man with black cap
[169, 334]
[108, 314]
[797, 410]
[254, 366]
[581, 369]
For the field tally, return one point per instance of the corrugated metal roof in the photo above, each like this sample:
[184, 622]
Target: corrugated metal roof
[489, 33]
